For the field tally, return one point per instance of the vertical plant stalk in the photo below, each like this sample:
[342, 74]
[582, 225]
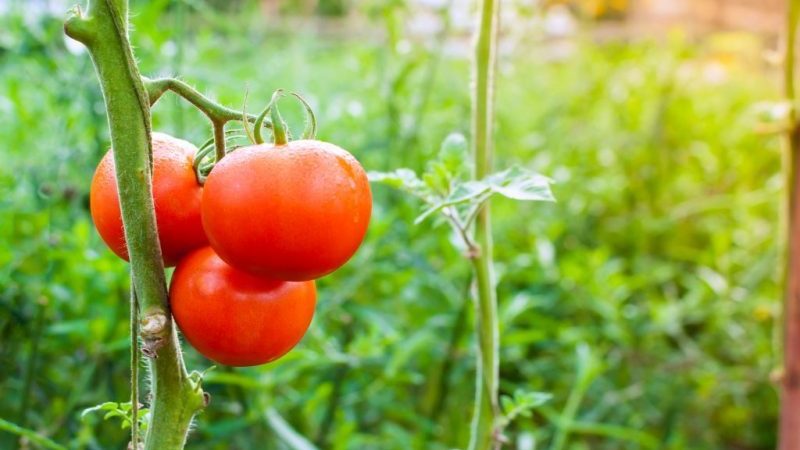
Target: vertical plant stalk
[789, 430]
[134, 370]
[484, 422]
[177, 396]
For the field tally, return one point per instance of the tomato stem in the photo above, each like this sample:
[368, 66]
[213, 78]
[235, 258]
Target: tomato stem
[484, 431]
[219, 139]
[103, 29]
[279, 133]
[213, 110]
[134, 370]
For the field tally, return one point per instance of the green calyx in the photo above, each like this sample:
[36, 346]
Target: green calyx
[280, 131]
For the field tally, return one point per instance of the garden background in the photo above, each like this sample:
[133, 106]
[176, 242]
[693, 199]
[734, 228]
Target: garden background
[645, 300]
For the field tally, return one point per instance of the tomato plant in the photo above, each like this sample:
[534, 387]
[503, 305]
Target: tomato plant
[176, 196]
[296, 211]
[276, 216]
[236, 318]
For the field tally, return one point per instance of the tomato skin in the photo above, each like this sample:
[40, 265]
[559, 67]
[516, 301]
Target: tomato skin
[176, 195]
[293, 212]
[236, 318]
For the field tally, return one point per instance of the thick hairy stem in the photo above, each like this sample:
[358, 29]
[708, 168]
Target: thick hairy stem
[484, 422]
[176, 396]
[789, 432]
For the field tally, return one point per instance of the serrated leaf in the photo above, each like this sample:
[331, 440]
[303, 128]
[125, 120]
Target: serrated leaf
[403, 179]
[522, 403]
[537, 399]
[521, 184]
[100, 407]
[467, 191]
[442, 172]
[437, 178]
[396, 178]
[462, 193]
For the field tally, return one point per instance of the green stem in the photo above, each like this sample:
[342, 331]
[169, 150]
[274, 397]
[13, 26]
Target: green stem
[219, 139]
[30, 435]
[134, 371]
[214, 111]
[483, 433]
[788, 436]
[176, 396]
[280, 137]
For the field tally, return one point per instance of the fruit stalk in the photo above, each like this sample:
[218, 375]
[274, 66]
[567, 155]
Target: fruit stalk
[103, 29]
[215, 112]
[485, 417]
[788, 436]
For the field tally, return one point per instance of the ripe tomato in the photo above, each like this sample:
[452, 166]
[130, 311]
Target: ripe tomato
[292, 212]
[176, 195]
[236, 318]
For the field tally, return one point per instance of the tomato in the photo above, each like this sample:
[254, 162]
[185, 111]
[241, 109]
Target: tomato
[293, 212]
[236, 318]
[176, 195]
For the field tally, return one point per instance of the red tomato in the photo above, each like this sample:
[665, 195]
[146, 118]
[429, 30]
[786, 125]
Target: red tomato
[292, 212]
[236, 318]
[176, 195]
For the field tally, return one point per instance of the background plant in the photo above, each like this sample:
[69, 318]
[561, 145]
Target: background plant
[659, 256]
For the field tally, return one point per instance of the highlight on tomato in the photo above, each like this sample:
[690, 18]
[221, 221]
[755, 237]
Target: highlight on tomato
[177, 198]
[234, 317]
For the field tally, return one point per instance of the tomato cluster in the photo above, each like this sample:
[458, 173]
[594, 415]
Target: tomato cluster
[250, 242]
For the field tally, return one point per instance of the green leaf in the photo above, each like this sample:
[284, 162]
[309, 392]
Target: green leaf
[522, 403]
[521, 184]
[453, 153]
[437, 178]
[449, 166]
[462, 193]
[115, 413]
[101, 407]
[507, 404]
[403, 179]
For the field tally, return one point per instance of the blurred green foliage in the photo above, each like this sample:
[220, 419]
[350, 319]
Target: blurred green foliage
[645, 300]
